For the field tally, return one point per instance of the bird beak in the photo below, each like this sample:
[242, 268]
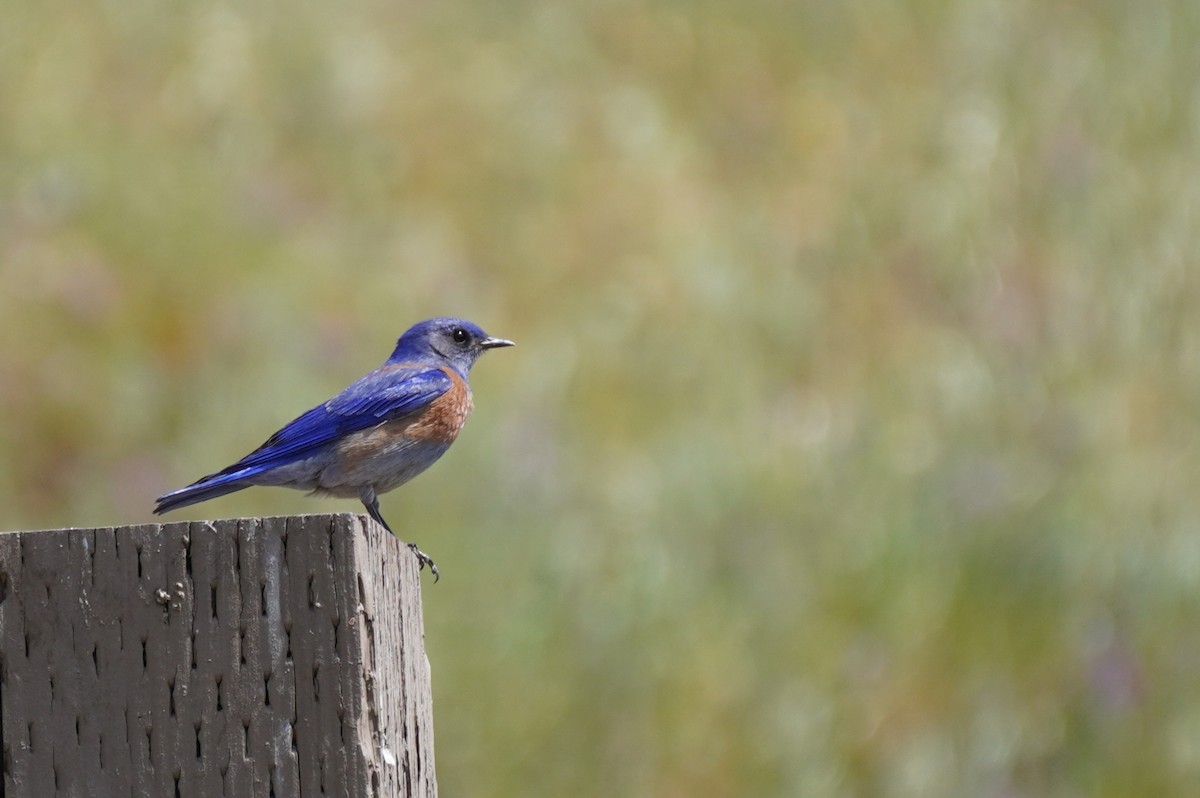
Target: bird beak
[495, 343]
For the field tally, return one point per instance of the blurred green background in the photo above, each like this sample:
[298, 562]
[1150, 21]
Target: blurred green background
[850, 446]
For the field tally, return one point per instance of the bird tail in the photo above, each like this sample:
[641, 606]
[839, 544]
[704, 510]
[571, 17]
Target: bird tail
[209, 487]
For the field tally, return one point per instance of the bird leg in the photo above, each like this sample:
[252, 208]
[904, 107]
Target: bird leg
[424, 559]
[371, 502]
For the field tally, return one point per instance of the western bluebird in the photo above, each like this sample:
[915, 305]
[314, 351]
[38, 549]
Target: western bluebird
[376, 435]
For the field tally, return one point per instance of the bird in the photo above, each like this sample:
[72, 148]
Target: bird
[386, 428]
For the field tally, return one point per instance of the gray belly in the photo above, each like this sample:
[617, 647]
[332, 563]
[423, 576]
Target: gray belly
[334, 473]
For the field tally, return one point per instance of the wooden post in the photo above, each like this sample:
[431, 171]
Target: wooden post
[254, 657]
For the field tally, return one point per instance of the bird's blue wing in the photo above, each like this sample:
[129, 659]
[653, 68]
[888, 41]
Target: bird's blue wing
[384, 394]
[391, 391]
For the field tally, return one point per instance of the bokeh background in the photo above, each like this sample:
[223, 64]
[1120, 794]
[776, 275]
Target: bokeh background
[850, 447]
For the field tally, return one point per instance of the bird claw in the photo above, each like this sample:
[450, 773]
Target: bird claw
[424, 559]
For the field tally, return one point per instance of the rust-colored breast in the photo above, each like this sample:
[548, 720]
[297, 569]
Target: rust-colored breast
[445, 416]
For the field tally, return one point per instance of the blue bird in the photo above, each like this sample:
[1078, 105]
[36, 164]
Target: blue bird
[379, 433]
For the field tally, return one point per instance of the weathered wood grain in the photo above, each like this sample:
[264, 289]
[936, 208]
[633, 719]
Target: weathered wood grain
[252, 657]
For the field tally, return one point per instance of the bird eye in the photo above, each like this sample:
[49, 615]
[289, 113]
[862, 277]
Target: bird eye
[460, 335]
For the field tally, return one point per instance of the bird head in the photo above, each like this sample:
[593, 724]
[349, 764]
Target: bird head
[457, 342]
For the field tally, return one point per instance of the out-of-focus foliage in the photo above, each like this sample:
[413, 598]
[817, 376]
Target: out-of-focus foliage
[851, 444]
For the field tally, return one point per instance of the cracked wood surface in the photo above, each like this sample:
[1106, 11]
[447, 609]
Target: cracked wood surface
[246, 657]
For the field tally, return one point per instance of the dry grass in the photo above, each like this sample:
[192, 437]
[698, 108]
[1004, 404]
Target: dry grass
[850, 446]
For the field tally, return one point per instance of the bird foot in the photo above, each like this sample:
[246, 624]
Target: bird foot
[424, 559]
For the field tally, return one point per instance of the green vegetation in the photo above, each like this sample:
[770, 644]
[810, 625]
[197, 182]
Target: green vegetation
[851, 443]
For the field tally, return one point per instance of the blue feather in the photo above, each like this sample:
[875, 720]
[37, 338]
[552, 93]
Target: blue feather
[390, 392]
